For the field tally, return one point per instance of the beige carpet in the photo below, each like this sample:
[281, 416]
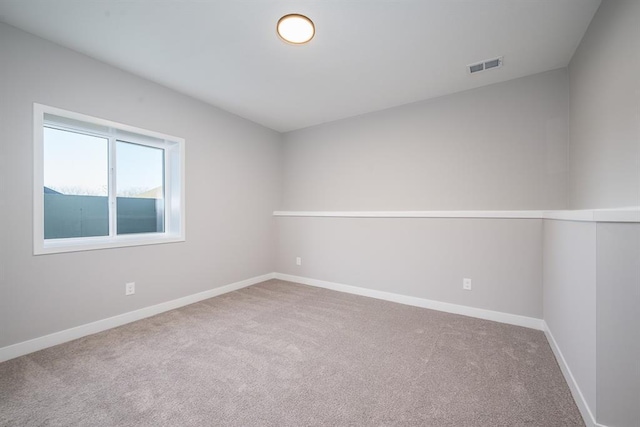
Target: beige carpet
[283, 354]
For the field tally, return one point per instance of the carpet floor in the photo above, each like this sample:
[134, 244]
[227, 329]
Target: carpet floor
[284, 354]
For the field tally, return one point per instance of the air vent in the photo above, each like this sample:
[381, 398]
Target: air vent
[485, 65]
[476, 68]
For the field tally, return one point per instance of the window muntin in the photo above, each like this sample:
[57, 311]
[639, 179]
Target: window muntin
[100, 184]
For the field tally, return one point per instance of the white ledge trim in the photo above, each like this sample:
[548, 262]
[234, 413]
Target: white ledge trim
[415, 214]
[631, 214]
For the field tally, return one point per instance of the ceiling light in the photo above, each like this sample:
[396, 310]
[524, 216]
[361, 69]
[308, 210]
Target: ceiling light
[296, 29]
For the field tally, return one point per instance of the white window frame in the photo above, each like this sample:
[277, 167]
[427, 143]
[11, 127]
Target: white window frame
[174, 147]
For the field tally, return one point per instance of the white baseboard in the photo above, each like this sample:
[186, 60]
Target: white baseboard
[512, 319]
[71, 334]
[585, 411]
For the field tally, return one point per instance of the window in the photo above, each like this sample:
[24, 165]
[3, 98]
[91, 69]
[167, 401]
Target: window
[99, 184]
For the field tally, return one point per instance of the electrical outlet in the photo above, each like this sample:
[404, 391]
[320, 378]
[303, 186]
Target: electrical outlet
[466, 284]
[298, 261]
[130, 288]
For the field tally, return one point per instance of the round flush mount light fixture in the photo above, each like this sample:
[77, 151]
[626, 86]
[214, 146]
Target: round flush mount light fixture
[296, 29]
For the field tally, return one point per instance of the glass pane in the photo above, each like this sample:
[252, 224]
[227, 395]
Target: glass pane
[140, 188]
[76, 182]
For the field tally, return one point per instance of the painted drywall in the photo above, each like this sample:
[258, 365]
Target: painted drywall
[591, 273]
[422, 257]
[499, 147]
[569, 298]
[232, 187]
[618, 317]
[604, 146]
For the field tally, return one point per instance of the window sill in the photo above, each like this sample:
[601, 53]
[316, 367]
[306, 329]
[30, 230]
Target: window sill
[95, 243]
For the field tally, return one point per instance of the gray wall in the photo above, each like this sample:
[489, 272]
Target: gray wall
[233, 185]
[422, 257]
[569, 297]
[591, 301]
[592, 271]
[498, 147]
[618, 326]
[604, 148]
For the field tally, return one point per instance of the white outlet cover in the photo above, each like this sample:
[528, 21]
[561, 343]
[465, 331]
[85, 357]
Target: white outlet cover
[466, 284]
[130, 288]
[298, 261]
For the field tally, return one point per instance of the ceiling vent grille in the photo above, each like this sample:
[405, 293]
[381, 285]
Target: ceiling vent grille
[485, 65]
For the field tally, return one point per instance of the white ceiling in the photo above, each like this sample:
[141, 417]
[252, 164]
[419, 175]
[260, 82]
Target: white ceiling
[367, 55]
